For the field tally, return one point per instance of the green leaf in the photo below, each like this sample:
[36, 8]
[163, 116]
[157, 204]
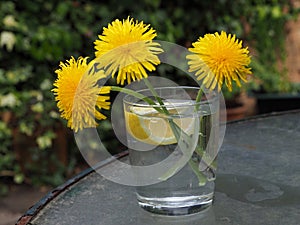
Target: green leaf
[19, 178]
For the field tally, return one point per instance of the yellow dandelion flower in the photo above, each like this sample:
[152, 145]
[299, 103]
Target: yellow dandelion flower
[126, 47]
[218, 57]
[78, 96]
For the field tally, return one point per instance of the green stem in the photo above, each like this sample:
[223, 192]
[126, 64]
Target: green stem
[133, 93]
[200, 94]
[195, 166]
[154, 93]
[199, 97]
[177, 131]
[137, 95]
[198, 150]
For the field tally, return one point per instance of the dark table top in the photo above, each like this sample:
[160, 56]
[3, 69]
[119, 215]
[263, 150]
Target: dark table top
[258, 182]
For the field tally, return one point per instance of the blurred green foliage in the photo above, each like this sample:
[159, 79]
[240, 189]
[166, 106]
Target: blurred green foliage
[35, 35]
[268, 37]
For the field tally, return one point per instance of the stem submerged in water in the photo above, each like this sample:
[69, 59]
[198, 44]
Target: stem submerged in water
[184, 141]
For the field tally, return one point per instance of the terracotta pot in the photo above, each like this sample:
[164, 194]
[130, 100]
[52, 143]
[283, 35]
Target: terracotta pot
[236, 107]
[237, 112]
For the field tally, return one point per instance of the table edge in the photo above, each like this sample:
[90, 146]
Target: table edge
[262, 116]
[33, 210]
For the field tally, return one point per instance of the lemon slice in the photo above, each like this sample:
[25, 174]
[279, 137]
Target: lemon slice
[149, 126]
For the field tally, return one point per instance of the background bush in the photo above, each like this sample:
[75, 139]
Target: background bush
[37, 34]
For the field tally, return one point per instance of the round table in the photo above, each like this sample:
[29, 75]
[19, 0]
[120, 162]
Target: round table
[258, 182]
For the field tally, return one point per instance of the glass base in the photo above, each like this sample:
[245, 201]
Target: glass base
[175, 206]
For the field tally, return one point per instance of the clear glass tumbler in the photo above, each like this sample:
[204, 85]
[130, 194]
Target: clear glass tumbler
[179, 140]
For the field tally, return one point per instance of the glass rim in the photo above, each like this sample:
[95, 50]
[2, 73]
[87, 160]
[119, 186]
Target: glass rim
[190, 102]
